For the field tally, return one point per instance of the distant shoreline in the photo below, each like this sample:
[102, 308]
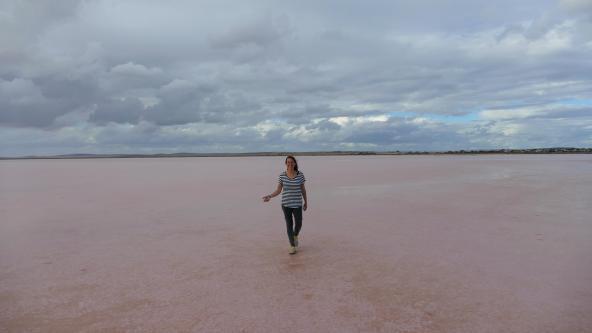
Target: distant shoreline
[558, 150]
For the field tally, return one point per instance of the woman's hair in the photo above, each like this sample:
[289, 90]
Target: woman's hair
[296, 166]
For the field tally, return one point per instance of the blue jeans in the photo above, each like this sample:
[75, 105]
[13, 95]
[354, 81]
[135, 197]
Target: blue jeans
[297, 212]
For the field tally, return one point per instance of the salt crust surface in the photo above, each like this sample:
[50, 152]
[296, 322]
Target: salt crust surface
[496, 243]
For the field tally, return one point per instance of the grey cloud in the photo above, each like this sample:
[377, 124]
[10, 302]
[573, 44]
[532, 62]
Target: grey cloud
[533, 133]
[577, 6]
[133, 69]
[323, 125]
[21, 20]
[575, 113]
[275, 136]
[394, 131]
[24, 102]
[261, 32]
[185, 102]
[127, 110]
[196, 64]
[306, 113]
[72, 92]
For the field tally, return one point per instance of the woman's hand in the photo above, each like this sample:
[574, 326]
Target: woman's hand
[304, 206]
[266, 198]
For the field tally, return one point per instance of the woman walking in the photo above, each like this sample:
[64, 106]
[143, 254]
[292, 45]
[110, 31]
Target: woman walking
[292, 182]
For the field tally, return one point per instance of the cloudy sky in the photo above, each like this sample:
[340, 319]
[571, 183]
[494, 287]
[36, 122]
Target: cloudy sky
[142, 76]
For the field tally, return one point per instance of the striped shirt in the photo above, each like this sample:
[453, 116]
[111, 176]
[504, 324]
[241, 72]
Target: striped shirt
[292, 193]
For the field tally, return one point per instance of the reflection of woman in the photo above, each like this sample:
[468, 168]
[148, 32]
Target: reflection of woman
[292, 182]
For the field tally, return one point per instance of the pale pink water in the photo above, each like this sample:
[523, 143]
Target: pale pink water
[499, 243]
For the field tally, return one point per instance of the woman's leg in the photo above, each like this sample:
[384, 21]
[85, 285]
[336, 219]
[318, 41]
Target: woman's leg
[298, 216]
[289, 223]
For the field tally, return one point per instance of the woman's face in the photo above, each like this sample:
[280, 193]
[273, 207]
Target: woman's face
[290, 164]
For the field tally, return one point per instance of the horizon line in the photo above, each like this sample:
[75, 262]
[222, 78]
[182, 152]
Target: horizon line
[301, 153]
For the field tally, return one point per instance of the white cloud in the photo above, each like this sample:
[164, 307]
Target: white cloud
[131, 68]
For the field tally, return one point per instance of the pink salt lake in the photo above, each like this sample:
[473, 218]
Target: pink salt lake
[498, 243]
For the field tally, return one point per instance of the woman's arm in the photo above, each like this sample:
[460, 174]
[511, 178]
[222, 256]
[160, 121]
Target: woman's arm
[278, 190]
[304, 196]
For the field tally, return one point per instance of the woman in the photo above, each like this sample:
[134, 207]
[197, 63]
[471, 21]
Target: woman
[292, 182]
